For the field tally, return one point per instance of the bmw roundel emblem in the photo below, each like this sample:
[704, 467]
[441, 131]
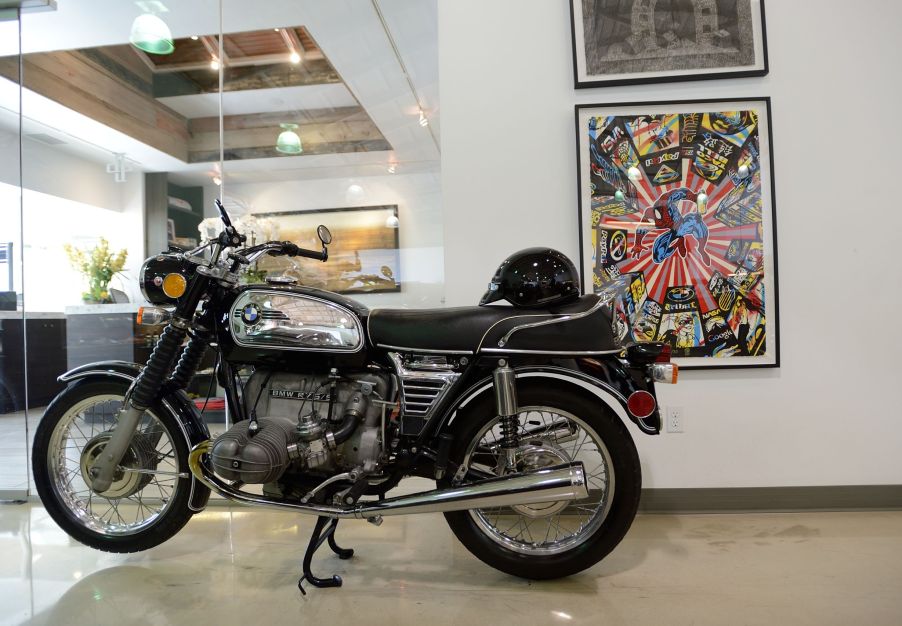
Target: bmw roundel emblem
[250, 314]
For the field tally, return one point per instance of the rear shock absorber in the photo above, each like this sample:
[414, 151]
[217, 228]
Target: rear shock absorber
[505, 380]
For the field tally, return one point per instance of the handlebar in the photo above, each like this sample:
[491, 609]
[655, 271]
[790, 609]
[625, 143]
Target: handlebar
[279, 248]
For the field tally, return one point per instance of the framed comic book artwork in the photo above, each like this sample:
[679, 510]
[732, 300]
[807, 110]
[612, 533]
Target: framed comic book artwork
[677, 217]
[625, 42]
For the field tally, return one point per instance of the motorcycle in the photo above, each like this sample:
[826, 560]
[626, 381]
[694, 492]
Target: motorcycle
[519, 414]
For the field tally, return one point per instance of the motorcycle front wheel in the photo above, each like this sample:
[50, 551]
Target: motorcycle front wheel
[147, 502]
[550, 539]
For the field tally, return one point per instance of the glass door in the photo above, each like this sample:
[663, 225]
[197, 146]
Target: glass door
[13, 377]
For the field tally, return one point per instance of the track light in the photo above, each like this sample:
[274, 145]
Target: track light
[423, 121]
[392, 168]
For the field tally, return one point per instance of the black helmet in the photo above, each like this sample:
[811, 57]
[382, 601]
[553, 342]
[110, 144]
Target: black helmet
[534, 277]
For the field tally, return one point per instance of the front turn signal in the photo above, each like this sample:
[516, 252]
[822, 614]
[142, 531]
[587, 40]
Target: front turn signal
[152, 316]
[664, 373]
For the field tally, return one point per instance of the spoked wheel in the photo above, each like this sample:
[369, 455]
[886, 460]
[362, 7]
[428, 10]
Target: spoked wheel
[148, 500]
[549, 539]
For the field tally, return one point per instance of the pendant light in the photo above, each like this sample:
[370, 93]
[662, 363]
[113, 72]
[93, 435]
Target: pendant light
[288, 141]
[151, 34]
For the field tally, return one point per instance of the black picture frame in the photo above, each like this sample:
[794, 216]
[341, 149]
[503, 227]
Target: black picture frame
[771, 274]
[583, 80]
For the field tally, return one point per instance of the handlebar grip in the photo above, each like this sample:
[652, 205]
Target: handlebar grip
[289, 249]
[312, 254]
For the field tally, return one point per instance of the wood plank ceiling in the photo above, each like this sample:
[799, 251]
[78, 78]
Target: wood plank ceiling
[119, 86]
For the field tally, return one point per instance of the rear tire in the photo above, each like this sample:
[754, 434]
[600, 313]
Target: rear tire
[63, 502]
[601, 536]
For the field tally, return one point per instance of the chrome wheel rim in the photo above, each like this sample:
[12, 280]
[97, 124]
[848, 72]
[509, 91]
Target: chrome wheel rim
[566, 527]
[145, 484]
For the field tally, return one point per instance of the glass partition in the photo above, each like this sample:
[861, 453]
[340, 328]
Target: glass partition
[13, 388]
[137, 115]
[328, 117]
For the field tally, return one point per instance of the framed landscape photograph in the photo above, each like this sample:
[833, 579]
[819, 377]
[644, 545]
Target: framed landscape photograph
[364, 256]
[624, 42]
[677, 218]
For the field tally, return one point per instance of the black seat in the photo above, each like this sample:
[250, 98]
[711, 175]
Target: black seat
[467, 330]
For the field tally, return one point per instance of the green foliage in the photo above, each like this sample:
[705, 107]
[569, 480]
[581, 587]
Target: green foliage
[98, 265]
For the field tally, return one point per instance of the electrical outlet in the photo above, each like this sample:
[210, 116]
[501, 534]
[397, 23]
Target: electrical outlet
[674, 419]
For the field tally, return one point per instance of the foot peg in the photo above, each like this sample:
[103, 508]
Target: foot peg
[321, 534]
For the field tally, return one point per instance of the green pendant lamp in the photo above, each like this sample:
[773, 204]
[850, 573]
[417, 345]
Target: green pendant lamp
[288, 141]
[151, 34]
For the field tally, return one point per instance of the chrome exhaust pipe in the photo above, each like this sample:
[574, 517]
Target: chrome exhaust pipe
[550, 484]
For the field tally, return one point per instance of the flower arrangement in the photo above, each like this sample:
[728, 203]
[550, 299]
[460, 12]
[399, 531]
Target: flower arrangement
[98, 265]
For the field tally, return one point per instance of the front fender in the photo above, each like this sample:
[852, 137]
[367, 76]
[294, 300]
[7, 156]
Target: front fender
[174, 401]
[611, 387]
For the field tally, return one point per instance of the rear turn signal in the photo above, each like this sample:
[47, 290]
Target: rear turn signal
[641, 404]
[152, 316]
[664, 373]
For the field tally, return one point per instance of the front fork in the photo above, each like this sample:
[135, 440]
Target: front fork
[140, 396]
[505, 384]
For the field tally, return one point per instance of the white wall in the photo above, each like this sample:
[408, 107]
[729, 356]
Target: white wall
[67, 199]
[829, 414]
[418, 197]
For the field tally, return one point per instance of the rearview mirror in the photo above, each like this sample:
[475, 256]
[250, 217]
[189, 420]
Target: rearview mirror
[324, 234]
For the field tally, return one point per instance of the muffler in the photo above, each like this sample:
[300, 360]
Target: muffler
[550, 484]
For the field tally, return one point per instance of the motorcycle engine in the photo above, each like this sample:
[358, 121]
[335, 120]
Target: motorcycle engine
[296, 429]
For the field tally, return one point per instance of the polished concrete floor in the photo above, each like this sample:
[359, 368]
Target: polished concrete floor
[240, 566]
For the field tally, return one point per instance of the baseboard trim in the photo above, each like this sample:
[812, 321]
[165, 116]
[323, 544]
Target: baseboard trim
[724, 499]
[758, 499]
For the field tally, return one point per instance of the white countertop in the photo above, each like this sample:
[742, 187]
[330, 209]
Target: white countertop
[32, 315]
[83, 309]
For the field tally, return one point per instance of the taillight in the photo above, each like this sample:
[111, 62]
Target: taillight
[664, 372]
[664, 355]
[641, 404]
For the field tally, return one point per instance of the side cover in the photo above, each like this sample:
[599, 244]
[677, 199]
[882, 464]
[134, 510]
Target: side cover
[176, 403]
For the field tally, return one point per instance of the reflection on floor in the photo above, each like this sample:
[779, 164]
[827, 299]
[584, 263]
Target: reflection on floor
[13, 460]
[240, 566]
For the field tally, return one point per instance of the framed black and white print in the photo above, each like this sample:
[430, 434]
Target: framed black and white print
[623, 42]
[678, 223]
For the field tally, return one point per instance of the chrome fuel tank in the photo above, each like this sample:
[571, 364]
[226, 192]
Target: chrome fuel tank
[268, 324]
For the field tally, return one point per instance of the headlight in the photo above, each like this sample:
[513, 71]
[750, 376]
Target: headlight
[163, 279]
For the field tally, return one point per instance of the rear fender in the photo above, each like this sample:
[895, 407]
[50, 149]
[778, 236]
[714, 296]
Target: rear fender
[613, 391]
[175, 402]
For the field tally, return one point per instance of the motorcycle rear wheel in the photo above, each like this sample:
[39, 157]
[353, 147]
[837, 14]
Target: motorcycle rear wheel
[550, 540]
[148, 501]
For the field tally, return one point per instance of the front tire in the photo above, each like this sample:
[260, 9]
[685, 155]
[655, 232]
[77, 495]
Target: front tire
[551, 415]
[148, 501]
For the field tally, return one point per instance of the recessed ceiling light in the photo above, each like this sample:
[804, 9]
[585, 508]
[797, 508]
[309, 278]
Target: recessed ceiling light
[392, 168]
[294, 57]
[217, 180]
[214, 64]
[194, 37]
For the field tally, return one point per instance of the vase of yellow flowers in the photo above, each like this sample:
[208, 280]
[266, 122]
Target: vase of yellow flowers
[98, 265]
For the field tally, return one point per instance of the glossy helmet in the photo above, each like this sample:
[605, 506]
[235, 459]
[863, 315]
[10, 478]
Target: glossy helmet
[534, 277]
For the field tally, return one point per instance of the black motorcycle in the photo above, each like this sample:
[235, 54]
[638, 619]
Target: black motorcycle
[519, 413]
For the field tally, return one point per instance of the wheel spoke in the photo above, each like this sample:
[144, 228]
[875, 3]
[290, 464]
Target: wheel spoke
[149, 464]
[544, 430]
